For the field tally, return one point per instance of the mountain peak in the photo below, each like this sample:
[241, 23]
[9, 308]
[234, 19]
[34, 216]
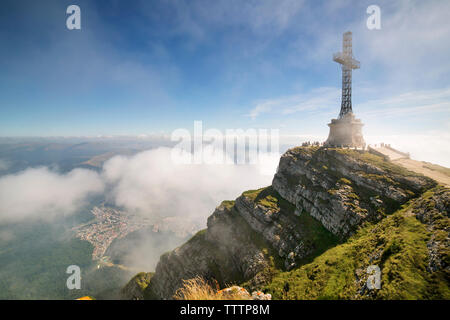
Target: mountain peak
[321, 200]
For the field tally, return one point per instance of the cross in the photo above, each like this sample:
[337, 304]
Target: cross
[345, 58]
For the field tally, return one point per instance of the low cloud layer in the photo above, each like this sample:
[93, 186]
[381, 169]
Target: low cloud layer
[42, 193]
[148, 183]
[151, 184]
[176, 197]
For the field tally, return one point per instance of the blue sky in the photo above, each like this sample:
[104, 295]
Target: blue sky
[140, 67]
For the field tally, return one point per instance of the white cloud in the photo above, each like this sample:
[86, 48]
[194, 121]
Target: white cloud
[432, 147]
[410, 50]
[44, 194]
[414, 121]
[411, 46]
[149, 183]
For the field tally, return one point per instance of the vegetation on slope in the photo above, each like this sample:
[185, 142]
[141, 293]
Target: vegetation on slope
[397, 244]
[269, 198]
[313, 232]
[135, 288]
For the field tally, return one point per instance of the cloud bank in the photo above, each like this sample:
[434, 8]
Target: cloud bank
[148, 183]
[42, 193]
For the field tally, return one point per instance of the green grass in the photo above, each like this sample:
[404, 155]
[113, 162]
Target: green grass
[266, 197]
[397, 244]
[314, 232]
[228, 204]
[252, 194]
[380, 178]
[142, 279]
[269, 198]
[199, 236]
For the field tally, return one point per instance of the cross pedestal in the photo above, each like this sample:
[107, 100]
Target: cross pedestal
[346, 132]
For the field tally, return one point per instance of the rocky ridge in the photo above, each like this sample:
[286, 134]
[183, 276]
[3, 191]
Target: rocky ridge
[318, 199]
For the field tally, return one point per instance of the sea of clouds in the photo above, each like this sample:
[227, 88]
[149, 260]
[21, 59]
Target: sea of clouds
[149, 183]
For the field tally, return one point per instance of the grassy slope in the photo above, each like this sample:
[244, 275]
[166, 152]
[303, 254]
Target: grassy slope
[313, 231]
[397, 244]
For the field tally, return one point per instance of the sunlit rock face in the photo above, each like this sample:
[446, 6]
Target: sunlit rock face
[343, 188]
[227, 251]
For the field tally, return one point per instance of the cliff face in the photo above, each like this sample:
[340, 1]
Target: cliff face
[343, 188]
[228, 251]
[134, 289]
[318, 198]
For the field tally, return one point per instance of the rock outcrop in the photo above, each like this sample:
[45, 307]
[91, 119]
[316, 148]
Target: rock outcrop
[318, 198]
[228, 251]
[433, 209]
[409, 248]
[342, 188]
[134, 290]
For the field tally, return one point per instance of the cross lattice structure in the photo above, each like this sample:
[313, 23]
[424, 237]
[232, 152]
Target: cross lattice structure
[348, 63]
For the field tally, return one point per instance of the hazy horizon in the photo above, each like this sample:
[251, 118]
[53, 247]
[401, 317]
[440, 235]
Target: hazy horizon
[141, 68]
